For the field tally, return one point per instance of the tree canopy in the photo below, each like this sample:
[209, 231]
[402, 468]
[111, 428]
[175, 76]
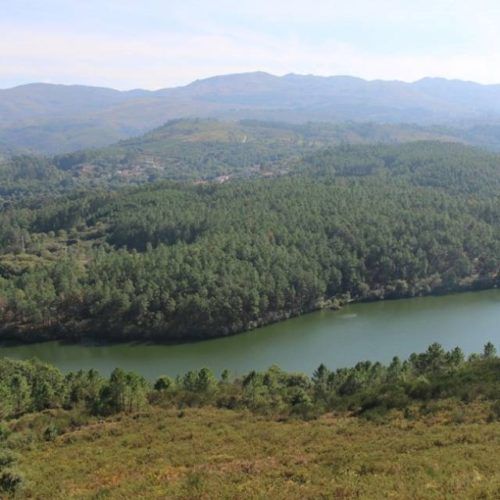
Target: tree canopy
[181, 261]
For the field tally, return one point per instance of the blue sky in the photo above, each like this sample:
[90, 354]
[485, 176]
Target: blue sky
[153, 44]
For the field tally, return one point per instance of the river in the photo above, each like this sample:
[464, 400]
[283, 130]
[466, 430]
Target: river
[376, 331]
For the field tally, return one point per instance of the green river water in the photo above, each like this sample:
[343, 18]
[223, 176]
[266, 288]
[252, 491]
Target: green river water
[376, 331]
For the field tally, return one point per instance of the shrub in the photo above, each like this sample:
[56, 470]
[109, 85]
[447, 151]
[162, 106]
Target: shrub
[163, 383]
[10, 480]
[7, 458]
[50, 433]
[495, 410]
[4, 432]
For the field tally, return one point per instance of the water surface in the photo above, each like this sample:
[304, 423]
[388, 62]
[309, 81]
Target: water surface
[375, 331]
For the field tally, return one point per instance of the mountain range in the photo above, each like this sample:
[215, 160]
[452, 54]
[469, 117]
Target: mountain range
[47, 118]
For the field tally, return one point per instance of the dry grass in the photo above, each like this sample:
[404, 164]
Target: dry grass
[207, 453]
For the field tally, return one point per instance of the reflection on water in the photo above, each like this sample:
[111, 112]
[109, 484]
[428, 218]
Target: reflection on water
[375, 331]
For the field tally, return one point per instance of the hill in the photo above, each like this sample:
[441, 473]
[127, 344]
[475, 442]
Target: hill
[54, 118]
[427, 427]
[197, 150]
[181, 261]
[204, 149]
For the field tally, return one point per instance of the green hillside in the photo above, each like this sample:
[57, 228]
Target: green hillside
[180, 261]
[194, 150]
[206, 149]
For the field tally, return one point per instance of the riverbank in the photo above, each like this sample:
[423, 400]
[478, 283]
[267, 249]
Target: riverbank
[373, 330]
[86, 330]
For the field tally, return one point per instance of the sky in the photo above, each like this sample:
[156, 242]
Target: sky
[154, 44]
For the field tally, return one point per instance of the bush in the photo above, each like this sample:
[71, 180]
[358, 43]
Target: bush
[50, 433]
[4, 432]
[7, 458]
[495, 411]
[10, 481]
[163, 383]
[421, 389]
[376, 415]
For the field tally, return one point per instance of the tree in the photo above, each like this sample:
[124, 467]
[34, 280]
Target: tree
[163, 383]
[21, 394]
[44, 395]
[489, 351]
[455, 358]
[6, 401]
[320, 382]
[206, 381]
[124, 392]
[395, 369]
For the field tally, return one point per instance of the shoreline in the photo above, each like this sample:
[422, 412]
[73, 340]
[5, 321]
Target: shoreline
[334, 305]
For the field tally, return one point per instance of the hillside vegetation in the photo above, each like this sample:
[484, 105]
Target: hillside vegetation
[208, 150]
[206, 453]
[194, 150]
[427, 427]
[182, 261]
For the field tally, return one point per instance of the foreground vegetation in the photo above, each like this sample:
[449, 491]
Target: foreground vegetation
[448, 452]
[427, 427]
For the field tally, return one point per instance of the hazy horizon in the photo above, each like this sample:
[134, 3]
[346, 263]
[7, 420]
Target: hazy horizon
[152, 44]
[253, 72]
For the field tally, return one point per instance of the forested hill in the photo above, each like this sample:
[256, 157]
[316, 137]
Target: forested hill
[453, 168]
[182, 261]
[204, 149]
[197, 151]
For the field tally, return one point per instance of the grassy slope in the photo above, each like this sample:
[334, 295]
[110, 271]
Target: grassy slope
[449, 452]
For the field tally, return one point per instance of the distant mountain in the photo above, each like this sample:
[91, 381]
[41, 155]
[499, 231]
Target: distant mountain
[56, 118]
